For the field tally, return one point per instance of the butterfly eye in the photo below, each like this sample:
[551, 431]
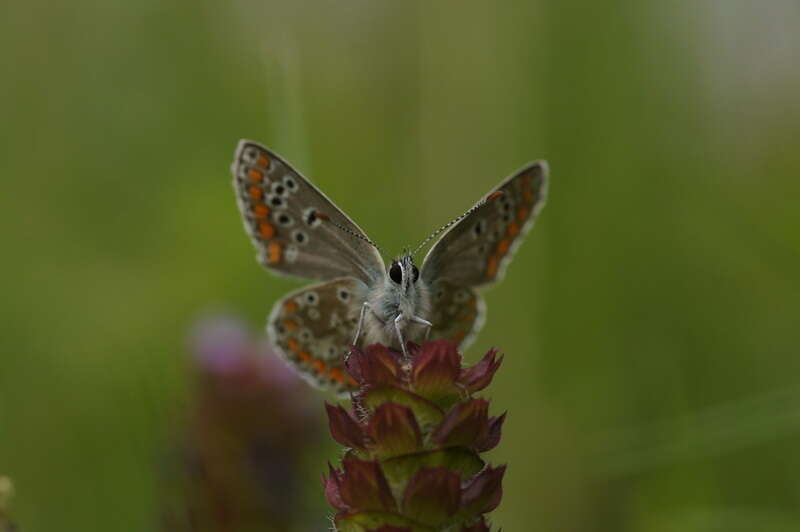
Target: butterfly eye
[395, 273]
[415, 271]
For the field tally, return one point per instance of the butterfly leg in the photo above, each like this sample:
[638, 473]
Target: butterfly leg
[364, 309]
[397, 321]
[429, 325]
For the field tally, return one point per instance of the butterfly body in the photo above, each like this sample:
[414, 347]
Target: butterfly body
[396, 312]
[361, 300]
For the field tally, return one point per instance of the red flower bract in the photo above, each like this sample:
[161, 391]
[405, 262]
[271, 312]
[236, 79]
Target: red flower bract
[331, 485]
[464, 425]
[393, 430]
[492, 437]
[478, 377]
[344, 428]
[483, 493]
[378, 365]
[435, 371]
[432, 495]
[360, 485]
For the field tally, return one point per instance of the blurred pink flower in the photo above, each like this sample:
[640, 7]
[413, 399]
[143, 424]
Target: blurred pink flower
[250, 424]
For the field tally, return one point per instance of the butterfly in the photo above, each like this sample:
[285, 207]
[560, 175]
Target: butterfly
[299, 232]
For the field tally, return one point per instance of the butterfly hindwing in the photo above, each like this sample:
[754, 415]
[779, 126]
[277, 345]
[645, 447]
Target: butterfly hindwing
[476, 250]
[289, 221]
[313, 328]
[457, 313]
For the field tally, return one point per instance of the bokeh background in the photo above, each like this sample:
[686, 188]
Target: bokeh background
[650, 321]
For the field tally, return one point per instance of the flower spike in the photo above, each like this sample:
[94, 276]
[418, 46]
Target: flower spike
[414, 460]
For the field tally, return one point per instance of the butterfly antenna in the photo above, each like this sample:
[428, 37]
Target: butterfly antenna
[326, 218]
[493, 195]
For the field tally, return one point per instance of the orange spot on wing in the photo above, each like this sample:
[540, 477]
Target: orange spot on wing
[350, 381]
[305, 356]
[266, 230]
[261, 211]
[336, 374]
[502, 247]
[495, 194]
[513, 229]
[290, 325]
[263, 161]
[294, 345]
[319, 365]
[274, 252]
[290, 306]
[255, 176]
[255, 193]
[491, 268]
[522, 213]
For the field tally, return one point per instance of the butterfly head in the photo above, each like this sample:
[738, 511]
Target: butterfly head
[403, 275]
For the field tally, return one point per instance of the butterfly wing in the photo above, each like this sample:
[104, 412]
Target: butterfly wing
[476, 250]
[288, 220]
[457, 313]
[313, 328]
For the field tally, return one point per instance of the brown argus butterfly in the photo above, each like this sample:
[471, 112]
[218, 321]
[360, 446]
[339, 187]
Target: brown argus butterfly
[298, 231]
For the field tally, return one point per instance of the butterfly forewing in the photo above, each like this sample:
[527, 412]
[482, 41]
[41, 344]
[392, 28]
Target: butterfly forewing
[291, 222]
[313, 328]
[476, 250]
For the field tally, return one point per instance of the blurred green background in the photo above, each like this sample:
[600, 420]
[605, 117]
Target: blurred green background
[650, 321]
